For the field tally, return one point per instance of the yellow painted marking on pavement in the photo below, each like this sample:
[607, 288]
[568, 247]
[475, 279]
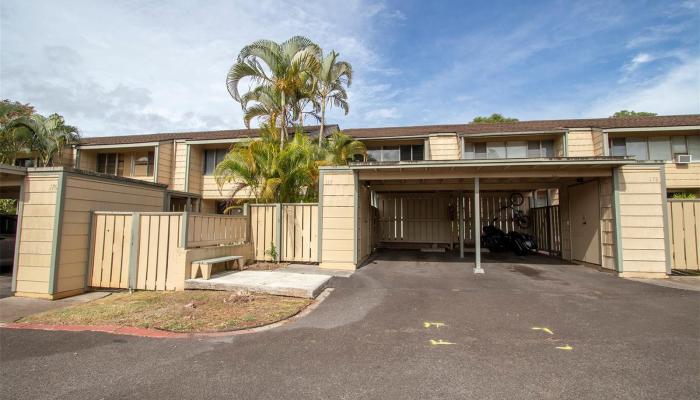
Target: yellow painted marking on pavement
[435, 324]
[440, 342]
[537, 328]
[567, 347]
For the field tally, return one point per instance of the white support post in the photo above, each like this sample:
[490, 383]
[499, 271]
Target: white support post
[477, 229]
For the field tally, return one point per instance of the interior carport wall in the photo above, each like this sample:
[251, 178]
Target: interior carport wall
[630, 207]
[54, 231]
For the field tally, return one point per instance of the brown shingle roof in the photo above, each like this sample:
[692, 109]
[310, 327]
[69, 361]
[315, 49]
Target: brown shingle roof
[529, 126]
[200, 135]
[521, 126]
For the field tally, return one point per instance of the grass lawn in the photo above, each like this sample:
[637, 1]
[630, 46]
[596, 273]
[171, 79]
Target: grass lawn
[184, 311]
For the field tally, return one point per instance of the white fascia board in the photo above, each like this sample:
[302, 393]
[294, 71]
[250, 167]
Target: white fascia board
[653, 129]
[116, 146]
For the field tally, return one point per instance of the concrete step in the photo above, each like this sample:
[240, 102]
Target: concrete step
[268, 282]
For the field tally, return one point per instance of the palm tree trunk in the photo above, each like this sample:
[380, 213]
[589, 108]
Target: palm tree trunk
[323, 121]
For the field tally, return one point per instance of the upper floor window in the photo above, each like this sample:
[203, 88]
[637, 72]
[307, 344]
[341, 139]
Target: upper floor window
[212, 158]
[411, 152]
[659, 148]
[25, 162]
[508, 149]
[110, 163]
[144, 163]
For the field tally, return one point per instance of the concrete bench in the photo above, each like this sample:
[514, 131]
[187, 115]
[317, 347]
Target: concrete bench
[206, 265]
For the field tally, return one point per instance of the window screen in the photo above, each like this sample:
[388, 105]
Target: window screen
[480, 151]
[212, 158]
[496, 149]
[533, 149]
[637, 148]
[418, 152]
[374, 154]
[694, 147]
[547, 148]
[390, 154]
[678, 145]
[516, 149]
[617, 147]
[660, 148]
[468, 152]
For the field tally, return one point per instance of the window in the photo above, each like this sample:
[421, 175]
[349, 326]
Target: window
[496, 150]
[107, 163]
[660, 148]
[374, 154]
[516, 149]
[618, 147]
[391, 153]
[25, 162]
[637, 148]
[678, 145]
[143, 164]
[510, 149]
[212, 158]
[412, 152]
[694, 147]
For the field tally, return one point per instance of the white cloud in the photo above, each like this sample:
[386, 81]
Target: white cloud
[675, 92]
[383, 114]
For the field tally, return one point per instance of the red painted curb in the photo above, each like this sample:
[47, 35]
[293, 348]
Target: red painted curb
[160, 334]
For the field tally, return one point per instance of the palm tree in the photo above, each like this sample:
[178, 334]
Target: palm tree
[342, 148]
[330, 80]
[271, 172]
[46, 136]
[12, 140]
[283, 69]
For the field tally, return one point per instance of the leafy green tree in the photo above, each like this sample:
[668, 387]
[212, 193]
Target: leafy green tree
[629, 113]
[12, 141]
[341, 148]
[8, 206]
[271, 171]
[279, 73]
[47, 136]
[330, 82]
[494, 118]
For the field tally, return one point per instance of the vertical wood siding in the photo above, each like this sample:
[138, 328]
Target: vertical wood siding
[298, 235]
[684, 229]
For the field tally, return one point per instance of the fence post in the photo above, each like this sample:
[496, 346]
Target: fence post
[184, 226]
[278, 233]
[134, 249]
[91, 249]
[246, 213]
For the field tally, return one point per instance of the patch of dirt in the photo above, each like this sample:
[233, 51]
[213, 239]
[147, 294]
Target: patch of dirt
[184, 311]
[265, 266]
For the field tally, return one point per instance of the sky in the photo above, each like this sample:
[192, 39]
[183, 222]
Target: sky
[126, 67]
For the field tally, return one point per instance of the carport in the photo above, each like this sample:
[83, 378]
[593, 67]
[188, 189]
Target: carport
[430, 204]
[11, 187]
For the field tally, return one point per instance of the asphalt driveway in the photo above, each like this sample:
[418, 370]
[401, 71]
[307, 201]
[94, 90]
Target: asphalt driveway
[368, 340]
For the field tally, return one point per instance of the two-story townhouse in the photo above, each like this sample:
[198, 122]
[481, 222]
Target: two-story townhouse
[595, 189]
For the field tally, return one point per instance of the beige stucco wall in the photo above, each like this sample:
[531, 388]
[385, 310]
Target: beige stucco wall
[444, 147]
[642, 221]
[580, 142]
[338, 220]
[36, 234]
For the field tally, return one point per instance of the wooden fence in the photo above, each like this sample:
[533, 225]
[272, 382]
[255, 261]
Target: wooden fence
[432, 217]
[140, 250]
[684, 231]
[291, 228]
[546, 228]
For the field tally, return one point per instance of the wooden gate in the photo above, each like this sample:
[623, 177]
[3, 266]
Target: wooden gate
[684, 227]
[292, 229]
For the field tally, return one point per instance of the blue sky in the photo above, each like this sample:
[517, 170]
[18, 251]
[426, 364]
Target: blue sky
[122, 67]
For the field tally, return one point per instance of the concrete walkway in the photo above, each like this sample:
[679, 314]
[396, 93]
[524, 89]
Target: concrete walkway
[270, 282]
